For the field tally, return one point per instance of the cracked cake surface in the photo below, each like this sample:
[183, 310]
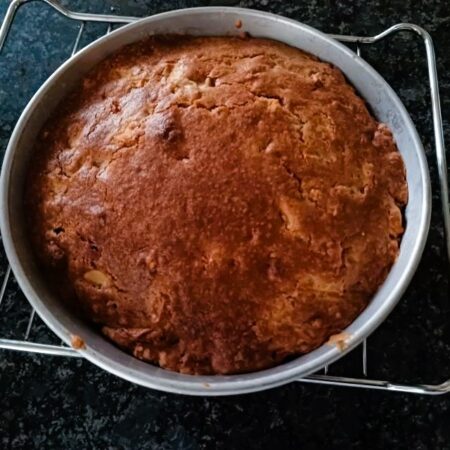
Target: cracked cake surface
[215, 205]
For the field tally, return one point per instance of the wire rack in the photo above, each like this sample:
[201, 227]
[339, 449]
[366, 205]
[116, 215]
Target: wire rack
[26, 345]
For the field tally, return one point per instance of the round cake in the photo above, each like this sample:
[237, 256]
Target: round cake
[216, 205]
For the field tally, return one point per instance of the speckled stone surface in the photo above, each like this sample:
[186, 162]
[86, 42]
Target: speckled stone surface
[58, 403]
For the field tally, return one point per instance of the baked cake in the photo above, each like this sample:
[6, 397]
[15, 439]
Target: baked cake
[216, 205]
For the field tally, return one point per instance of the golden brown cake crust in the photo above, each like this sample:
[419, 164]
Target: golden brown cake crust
[216, 204]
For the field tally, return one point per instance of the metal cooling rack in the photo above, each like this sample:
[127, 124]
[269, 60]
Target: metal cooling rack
[326, 378]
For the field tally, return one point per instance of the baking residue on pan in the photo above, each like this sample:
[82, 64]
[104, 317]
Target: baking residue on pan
[242, 34]
[340, 340]
[76, 342]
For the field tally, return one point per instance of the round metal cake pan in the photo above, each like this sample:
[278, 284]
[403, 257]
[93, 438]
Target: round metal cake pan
[385, 105]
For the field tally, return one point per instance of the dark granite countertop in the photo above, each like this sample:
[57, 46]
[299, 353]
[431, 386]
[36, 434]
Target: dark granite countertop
[62, 403]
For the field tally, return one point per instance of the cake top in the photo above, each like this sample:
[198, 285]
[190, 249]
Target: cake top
[216, 204]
